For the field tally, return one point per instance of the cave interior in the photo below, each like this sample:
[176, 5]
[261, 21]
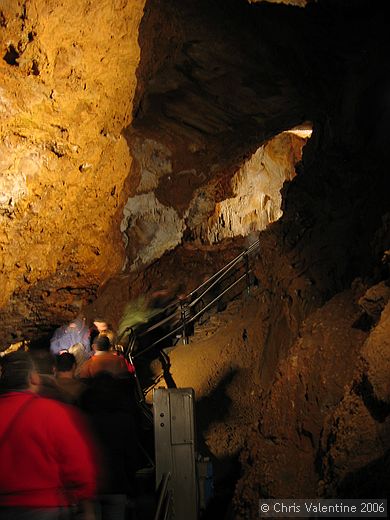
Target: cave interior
[147, 143]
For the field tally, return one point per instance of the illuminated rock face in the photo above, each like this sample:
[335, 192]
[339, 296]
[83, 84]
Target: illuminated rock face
[256, 188]
[68, 81]
[151, 228]
[69, 89]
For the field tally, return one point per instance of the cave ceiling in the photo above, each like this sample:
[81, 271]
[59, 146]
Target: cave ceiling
[208, 81]
[217, 79]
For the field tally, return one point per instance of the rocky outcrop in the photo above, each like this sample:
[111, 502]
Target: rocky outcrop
[256, 192]
[150, 228]
[68, 82]
[356, 437]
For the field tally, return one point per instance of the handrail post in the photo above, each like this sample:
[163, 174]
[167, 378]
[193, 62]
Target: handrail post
[183, 316]
[246, 262]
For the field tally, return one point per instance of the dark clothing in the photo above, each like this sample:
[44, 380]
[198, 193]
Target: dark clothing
[49, 388]
[112, 507]
[114, 431]
[70, 388]
[111, 416]
[24, 513]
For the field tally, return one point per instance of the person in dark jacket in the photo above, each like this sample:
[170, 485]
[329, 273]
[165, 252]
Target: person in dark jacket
[65, 377]
[111, 413]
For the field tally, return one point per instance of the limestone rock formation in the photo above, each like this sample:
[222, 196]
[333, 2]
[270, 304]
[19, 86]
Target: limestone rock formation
[151, 228]
[68, 81]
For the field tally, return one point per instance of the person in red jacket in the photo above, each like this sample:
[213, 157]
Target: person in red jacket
[47, 462]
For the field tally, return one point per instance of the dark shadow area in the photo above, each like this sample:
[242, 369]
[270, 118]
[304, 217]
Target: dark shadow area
[371, 481]
[365, 322]
[227, 473]
[378, 409]
[214, 408]
[11, 56]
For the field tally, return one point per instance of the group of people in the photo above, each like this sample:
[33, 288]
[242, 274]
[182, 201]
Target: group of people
[68, 442]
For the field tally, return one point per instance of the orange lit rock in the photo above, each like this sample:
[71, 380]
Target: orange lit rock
[68, 81]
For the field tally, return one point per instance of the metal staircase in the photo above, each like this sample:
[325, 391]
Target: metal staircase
[182, 477]
[178, 319]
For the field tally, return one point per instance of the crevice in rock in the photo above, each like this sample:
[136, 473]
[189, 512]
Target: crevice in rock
[11, 56]
[378, 409]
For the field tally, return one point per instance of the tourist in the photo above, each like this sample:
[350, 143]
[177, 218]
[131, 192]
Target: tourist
[65, 377]
[47, 463]
[104, 360]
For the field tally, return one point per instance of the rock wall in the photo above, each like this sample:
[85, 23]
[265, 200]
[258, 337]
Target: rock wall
[150, 227]
[68, 83]
[74, 76]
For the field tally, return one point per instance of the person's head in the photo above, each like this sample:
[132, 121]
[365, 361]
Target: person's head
[65, 364]
[101, 343]
[18, 372]
[80, 353]
[44, 361]
[77, 324]
[101, 324]
[110, 335]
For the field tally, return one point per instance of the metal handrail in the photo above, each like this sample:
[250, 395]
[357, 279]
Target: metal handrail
[152, 345]
[215, 282]
[139, 392]
[216, 277]
[210, 304]
[158, 324]
[181, 326]
[226, 267]
[176, 304]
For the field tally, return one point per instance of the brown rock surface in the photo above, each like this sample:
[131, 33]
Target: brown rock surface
[68, 81]
[376, 354]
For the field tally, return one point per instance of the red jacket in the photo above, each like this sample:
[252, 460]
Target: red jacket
[45, 456]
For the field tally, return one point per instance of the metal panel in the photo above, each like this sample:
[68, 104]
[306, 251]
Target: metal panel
[174, 427]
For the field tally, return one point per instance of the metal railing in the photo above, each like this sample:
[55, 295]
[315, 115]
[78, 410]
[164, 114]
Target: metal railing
[182, 313]
[164, 503]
